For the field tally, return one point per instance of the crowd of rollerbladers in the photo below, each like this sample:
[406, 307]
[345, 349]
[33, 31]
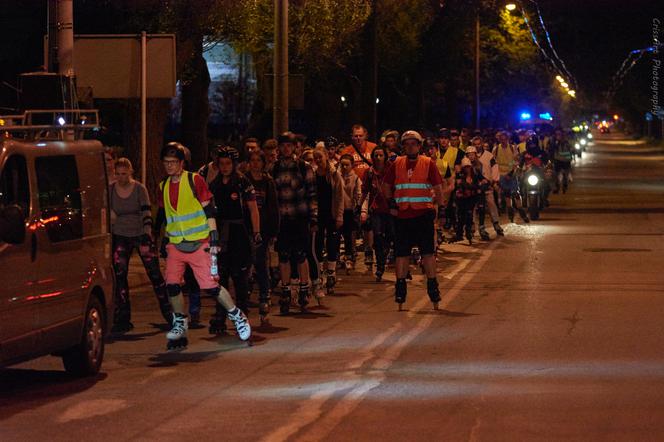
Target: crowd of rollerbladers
[280, 218]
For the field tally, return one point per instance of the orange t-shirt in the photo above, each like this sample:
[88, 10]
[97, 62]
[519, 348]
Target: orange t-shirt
[359, 166]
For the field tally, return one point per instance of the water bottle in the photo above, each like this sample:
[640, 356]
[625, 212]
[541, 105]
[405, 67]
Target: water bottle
[214, 268]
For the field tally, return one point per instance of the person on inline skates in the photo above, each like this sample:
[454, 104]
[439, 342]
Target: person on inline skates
[330, 193]
[193, 240]
[268, 209]
[352, 208]
[131, 226]
[298, 211]
[382, 223]
[238, 223]
[411, 186]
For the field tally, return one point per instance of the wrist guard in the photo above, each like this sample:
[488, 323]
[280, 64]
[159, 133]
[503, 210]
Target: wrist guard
[214, 238]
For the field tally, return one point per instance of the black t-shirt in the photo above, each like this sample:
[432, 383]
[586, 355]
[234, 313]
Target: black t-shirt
[230, 197]
[324, 192]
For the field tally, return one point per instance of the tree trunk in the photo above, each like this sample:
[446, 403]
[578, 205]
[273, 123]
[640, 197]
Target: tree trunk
[195, 105]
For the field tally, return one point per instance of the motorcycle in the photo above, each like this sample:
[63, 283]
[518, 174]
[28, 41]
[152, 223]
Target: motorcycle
[535, 185]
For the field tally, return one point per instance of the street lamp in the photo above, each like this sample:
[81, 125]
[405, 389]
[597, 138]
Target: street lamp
[510, 7]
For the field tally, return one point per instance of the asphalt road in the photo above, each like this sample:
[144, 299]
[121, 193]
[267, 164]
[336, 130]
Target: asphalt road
[551, 333]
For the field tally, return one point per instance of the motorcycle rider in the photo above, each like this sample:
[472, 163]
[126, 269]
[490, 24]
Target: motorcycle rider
[507, 157]
[562, 159]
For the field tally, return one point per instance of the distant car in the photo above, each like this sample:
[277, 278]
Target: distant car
[56, 284]
[604, 130]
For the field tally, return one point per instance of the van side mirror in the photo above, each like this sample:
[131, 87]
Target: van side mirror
[12, 225]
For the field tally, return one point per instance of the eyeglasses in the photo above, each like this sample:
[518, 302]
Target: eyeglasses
[171, 162]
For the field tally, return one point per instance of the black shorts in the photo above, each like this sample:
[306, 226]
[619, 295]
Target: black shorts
[292, 240]
[414, 232]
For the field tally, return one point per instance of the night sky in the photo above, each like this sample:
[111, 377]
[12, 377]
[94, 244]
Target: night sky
[591, 36]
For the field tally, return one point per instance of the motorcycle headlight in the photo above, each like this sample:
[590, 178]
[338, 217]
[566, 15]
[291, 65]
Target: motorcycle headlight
[577, 146]
[583, 141]
[533, 180]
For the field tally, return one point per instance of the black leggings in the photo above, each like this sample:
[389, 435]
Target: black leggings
[348, 231]
[465, 207]
[123, 247]
[382, 225]
[235, 260]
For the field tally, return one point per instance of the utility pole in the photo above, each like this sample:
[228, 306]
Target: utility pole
[280, 89]
[477, 70]
[372, 86]
[66, 37]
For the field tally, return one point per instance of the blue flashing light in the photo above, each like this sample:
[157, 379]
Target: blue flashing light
[546, 116]
[525, 115]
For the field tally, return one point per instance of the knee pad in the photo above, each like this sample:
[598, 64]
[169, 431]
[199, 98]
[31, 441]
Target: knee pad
[173, 290]
[212, 292]
[217, 292]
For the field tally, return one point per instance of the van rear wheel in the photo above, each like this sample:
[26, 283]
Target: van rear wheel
[85, 358]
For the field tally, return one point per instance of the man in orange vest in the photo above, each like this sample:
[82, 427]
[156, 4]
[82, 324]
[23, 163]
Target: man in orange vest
[412, 186]
[360, 149]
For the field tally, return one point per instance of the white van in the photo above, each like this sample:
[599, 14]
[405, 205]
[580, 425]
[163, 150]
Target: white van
[56, 279]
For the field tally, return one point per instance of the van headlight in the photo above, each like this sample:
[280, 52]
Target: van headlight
[533, 180]
[590, 136]
[583, 141]
[577, 146]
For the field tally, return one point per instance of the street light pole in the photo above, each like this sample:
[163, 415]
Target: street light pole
[280, 80]
[477, 70]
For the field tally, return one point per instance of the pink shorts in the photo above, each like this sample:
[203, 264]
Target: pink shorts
[199, 261]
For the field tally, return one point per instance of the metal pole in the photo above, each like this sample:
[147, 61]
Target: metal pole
[477, 70]
[280, 94]
[51, 55]
[144, 103]
[373, 121]
[66, 37]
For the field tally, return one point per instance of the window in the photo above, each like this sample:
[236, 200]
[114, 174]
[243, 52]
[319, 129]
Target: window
[59, 197]
[14, 186]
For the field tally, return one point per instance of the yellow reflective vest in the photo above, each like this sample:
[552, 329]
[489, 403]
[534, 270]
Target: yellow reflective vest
[188, 222]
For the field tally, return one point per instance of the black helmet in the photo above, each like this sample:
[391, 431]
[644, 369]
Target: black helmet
[532, 142]
[286, 137]
[173, 149]
[227, 152]
[331, 142]
[444, 133]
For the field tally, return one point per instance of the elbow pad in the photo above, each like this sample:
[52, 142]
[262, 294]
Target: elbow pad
[210, 210]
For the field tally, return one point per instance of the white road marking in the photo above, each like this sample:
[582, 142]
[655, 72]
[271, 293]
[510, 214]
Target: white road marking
[91, 408]
[310, 410]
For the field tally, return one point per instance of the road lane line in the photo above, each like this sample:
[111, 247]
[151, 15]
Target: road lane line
[352, 399]
[310, 410]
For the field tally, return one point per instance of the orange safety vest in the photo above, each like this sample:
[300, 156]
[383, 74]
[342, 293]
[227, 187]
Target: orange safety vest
[414, 191]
